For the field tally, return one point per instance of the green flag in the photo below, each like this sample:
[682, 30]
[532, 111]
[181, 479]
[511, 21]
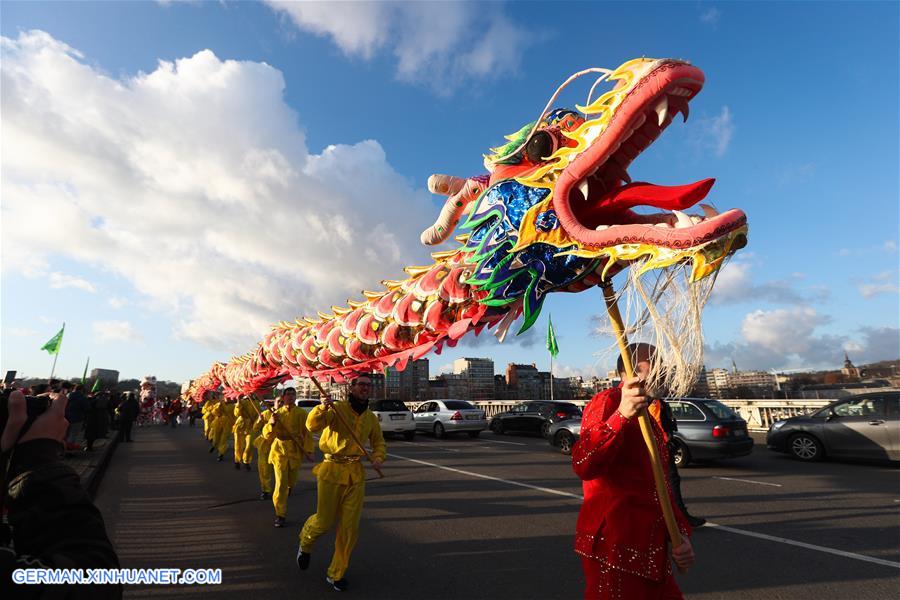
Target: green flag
[96, 387]
[552, 346]
[52, 346]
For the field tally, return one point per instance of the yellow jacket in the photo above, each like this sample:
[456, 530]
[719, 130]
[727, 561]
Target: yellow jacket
[225, 416]
[338, 446]
[260, 441]
[289, 429]
[245, 416]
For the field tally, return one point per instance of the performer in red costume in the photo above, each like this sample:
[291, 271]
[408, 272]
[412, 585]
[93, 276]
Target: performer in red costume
[621, 535]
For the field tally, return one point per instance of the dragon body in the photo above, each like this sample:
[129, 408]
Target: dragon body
[553, 214]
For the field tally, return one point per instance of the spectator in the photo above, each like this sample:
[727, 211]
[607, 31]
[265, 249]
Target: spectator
[92, 419]
[128, 412]
[52, 523]
[76, 409]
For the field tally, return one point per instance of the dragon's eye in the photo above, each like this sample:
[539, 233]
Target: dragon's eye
[540, 146]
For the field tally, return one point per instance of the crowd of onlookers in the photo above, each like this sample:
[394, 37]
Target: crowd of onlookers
[100, 414]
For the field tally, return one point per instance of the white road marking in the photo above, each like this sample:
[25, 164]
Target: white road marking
[502, 442]
[431, 446]
[772, 538]
[489, 477]
[762, 536]
[749, 481]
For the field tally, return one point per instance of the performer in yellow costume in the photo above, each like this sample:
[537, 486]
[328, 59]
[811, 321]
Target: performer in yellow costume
[341, 477]
[224, 426]
[286, 430]
[245, 416]
[209, 418]
[263, 447]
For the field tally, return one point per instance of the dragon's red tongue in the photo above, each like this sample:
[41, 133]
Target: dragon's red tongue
[670, 197]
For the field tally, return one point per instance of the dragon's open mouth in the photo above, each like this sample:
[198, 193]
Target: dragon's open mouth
[595, 194]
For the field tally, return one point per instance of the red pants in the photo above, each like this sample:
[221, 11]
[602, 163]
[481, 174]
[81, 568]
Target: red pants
[605, 583]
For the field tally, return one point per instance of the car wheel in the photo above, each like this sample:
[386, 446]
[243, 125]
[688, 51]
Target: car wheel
[806, 447]
[409, 435]
[438, 430]
[497, 426]
[545, 429]
[564, 441]
[680, 454]
[473, 434]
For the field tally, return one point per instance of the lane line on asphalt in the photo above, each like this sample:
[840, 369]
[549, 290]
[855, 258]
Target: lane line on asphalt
[490, 478]
[502, 442]
[748, 481]
[753, 534]
[772, 538]
[431, 446]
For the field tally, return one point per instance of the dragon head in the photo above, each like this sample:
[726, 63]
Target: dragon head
[557, 211]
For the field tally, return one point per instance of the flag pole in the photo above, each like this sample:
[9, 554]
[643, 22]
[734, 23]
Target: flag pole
[56, 354]
[643, 417]
[551, 376]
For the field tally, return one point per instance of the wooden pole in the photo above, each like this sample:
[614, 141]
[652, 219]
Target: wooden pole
[662, 492]
[350, 429]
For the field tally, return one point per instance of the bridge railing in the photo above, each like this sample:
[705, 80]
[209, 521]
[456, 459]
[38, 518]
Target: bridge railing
[759, 414]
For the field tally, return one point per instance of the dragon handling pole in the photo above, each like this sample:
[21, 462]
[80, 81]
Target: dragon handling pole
[643, 418]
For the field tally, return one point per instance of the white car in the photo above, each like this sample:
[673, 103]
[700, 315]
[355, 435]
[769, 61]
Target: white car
[441, 417]
[394, 417]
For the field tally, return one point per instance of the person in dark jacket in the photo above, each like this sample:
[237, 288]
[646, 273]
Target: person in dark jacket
[128, 412]
[92, 421]
[76, 409]
[52, 523]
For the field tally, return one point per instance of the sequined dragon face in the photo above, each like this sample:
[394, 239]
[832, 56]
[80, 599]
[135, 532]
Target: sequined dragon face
[559, 212]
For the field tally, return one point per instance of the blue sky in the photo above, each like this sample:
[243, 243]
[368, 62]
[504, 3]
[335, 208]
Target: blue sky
[168, 210]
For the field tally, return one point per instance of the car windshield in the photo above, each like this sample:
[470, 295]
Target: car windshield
[457, 404]
[386, 405]
[720, 410]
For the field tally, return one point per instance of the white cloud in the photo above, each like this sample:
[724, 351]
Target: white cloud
[734, 284]
[116, 302]
[890, 246]
[59, 281]
[784, 330]
[22, 332]
[711, 17]
[194, 183]
[440, 43]
[713, 134]
[869, 290]
[115, 331]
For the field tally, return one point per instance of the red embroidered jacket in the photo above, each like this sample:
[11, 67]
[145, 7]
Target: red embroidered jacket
[621, 522]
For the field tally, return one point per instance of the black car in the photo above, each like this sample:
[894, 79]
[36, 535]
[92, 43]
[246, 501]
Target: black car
[866, 426]
[707, 430]
[535, 417]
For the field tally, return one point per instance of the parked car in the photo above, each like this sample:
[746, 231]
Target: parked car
[707, 430]
[866, 426]
[535, 416]
[441, 417]
[564, 434]
[394, 417]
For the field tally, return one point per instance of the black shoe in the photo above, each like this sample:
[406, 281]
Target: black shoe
[290, 490]
[248, 466]
[279, 521]
[303, 559]
[237, 466]
[264, 496]
[220, 458]
[338, 584]
[695, 521]
[212, 449]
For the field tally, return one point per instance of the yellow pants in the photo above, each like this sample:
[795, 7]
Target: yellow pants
[221, 440]
[286, 472]
[263, 466]
[336, 502]
[243, 448]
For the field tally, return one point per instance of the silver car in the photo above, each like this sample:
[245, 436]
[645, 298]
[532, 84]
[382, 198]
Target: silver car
[564, 434]
[441, 417]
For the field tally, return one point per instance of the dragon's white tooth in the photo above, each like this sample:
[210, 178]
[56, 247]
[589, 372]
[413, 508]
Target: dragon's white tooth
[663, 225]
[709, 211]
[662, 109]
[583, 188]
[682, 219]
[602, 227]
[695, 220]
